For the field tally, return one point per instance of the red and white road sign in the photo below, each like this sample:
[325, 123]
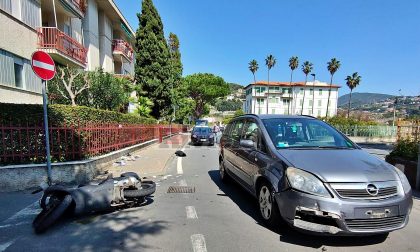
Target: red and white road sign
[43, 65]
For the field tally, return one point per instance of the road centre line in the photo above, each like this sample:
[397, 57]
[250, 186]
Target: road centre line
[191, 213]
[198, 243]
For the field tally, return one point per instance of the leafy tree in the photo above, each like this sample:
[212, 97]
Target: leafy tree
[176, 68]
[231, 105]
[306, 69]
[204, 89]
[332, 67]
[293, 64]
[253, 67]
[270, 62]
[144, 106]
[107, 91]
[352, 82]
[68, 86]
[153, 59]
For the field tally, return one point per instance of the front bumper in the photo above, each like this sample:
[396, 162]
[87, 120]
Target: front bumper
[342, 217]
[196, 140]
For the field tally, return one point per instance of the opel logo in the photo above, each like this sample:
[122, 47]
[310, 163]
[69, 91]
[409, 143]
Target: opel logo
[372, 189]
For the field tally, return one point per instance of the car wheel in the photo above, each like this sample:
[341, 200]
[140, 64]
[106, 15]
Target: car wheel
[268, 207]
[224, 176]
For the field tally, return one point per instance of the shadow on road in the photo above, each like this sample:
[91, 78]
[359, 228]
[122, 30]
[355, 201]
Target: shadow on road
[118, 230]
[249, 205]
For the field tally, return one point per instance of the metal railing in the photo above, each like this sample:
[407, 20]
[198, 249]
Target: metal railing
[53, 38]
[80, 4]
[368, 131]
[121, 46]
[24, 143]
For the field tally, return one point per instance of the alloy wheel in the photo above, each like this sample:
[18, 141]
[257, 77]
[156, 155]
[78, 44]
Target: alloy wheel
[265, 202]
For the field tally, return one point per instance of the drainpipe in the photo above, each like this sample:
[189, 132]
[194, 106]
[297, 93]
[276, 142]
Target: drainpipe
[418, 170]
[55, 15]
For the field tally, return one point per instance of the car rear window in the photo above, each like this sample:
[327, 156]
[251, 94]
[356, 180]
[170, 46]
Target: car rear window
[202, 130]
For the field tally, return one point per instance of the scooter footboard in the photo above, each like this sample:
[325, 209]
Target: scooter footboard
[93, 198]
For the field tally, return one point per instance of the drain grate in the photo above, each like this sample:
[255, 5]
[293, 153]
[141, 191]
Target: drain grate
[181, 189]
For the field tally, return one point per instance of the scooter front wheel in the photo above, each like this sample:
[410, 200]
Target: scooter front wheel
[147, 188]
[51, 214]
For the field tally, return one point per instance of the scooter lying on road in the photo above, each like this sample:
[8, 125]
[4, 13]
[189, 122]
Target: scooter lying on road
[128, 190]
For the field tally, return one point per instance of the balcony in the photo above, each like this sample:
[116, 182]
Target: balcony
[63, 48]
[121, 47]
[77, 6]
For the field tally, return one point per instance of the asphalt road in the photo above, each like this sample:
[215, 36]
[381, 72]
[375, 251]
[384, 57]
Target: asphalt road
[216, 217]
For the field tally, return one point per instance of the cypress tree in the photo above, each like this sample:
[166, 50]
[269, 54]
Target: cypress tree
[153, 59]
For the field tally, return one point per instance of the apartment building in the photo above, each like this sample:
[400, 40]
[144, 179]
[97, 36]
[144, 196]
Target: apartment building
[286, 98]
[87, 34]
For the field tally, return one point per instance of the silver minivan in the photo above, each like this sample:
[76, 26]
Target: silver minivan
[312, 176]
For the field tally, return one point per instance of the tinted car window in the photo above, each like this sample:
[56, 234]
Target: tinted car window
[237, 130]
[306, 133]
[202, 130]
[251, 132]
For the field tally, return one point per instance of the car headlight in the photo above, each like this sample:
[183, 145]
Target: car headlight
[306, 182]
[404, 181]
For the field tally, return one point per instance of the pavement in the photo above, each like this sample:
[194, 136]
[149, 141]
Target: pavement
[215, 217]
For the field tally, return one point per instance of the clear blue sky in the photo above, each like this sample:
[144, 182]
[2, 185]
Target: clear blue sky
[380, 39]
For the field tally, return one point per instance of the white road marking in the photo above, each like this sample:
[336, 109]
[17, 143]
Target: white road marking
[4, 246]
[43, 65]
[198, 243]
[29, 211]
[179, 166]
[182, 182]
[191, 213]
[17, 224]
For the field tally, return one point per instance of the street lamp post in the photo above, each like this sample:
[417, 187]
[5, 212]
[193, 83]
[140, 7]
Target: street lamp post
[313, 94]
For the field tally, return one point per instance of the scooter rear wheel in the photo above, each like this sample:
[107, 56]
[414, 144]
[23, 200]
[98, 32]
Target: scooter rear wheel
[147, 188]
[51, 214]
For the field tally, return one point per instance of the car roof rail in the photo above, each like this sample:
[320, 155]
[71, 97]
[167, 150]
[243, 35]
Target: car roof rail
[309, 116]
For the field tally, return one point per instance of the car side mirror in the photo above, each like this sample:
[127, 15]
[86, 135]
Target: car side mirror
[247, 143]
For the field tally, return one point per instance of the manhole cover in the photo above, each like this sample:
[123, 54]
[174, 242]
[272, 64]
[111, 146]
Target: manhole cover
[181, 189]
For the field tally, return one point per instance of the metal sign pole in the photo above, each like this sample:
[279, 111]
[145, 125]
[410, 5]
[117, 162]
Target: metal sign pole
[47, 134]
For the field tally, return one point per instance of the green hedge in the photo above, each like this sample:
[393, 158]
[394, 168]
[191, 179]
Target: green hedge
[64, 114]
[406, 149]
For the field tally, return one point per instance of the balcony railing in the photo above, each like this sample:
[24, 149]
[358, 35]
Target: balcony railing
[121, 46]
[53, 38]
[80, 4]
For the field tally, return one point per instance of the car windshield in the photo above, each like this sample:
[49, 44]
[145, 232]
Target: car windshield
[202, 130]
[304, 133]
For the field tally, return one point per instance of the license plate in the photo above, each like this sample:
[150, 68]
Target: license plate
[203, 140]
[376, 213]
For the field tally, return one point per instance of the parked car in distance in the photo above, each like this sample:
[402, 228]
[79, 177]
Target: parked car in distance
[202, 135]
[312, 176]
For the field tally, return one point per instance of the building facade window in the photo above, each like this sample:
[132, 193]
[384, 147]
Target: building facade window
[320, 92]
[311, 91]
[319, 103]
[18, 75]
[273, 111]
[301, 91]
[300, 102]
[310, 103]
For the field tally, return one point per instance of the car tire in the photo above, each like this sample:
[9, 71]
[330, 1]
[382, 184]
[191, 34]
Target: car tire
[224, 175]
[267, 205]
[147, 189]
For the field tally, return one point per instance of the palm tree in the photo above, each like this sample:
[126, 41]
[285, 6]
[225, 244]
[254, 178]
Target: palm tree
[333, 66]
[253, 67]
[352, 82]
[293, 64]
[270, 62]
[306, 68]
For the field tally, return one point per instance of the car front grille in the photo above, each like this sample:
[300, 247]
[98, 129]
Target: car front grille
[374, 224]
[360, 191]
[363, 194]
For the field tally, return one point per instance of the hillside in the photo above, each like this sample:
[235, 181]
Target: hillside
[359, 99]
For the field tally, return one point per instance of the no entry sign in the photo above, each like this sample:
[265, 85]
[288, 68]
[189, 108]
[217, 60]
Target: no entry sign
[43, 65]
